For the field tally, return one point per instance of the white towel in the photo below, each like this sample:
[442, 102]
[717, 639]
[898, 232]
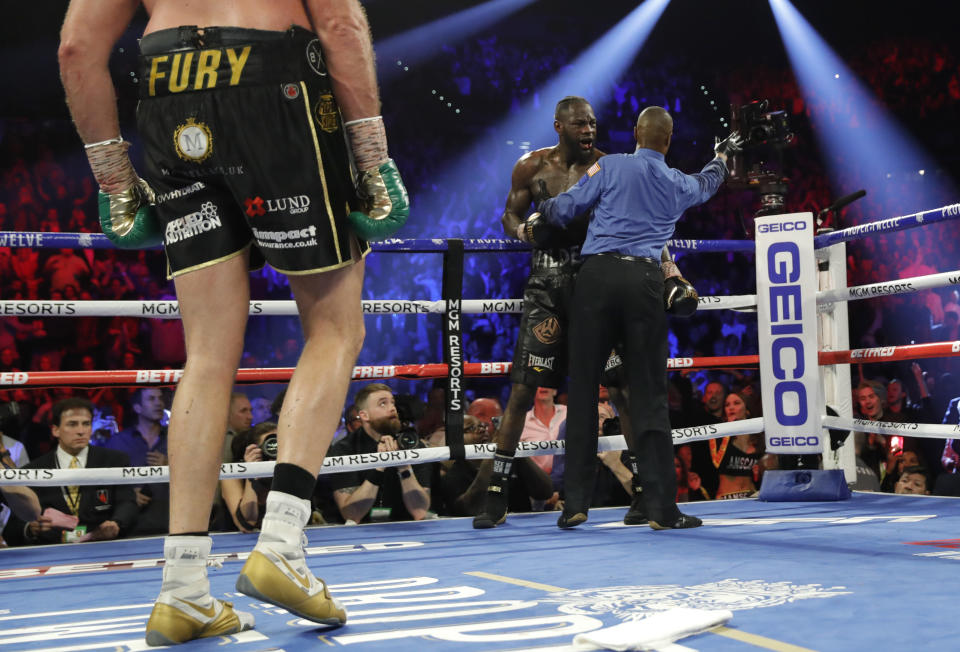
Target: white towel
[654, 631]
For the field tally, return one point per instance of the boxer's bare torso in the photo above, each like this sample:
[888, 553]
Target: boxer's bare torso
[276, 15]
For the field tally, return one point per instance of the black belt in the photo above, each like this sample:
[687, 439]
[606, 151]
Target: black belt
[632, 259]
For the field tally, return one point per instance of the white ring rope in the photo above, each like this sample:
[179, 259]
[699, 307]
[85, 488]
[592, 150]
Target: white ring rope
[887, 288]
[171, 309]
[359, 462]
[923, 430]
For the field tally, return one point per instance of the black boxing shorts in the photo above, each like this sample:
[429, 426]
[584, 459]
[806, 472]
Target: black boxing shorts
[540, 359]
[245, 148]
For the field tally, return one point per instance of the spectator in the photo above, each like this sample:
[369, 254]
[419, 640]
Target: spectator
[912, 481]
[400, 493]
[527, 480]
[239, 418]
[737, 459]
[543, 422]
[16, 499]
[245, 499]
[145, 443]
[104, 512]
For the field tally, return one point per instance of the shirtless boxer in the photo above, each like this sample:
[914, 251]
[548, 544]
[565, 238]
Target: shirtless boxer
[245, 130]
[540, 356]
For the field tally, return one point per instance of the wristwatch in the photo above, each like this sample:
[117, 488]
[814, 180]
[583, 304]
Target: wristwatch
[406, 473]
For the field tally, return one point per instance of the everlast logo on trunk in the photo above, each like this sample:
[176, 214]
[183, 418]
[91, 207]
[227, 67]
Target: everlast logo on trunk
[196, 70]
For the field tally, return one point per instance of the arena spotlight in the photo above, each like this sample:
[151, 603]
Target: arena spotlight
[420, 43]
[591, 75]
[851, 125]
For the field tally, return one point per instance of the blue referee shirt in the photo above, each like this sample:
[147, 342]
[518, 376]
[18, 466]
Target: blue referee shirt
[636, 201]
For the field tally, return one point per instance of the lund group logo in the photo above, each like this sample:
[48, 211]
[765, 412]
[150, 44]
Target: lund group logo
[258, 206]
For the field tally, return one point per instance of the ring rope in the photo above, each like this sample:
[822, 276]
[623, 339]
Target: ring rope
[889, 225]
[888, 288]
[924, 430]
[131, 377]
[358, 462]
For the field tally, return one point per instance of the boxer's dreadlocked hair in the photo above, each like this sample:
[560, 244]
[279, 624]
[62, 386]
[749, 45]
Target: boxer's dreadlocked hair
[563, 104]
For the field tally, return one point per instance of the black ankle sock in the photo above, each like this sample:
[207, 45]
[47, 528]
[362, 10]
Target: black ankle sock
[502, 461]
[189, 534]
[635, 471]
[294, 480]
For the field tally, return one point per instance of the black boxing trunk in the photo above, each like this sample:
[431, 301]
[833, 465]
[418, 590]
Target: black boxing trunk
[540, 359]
[245, 148]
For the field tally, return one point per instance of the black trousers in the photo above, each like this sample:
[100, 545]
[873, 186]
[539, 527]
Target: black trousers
[617, 300]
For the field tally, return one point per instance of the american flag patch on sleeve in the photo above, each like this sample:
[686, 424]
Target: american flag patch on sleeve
[593, 169]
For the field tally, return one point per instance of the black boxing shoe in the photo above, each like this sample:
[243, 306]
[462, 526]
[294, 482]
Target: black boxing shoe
[637, 514]
[494, 510]
[567, 521]
[683, 522]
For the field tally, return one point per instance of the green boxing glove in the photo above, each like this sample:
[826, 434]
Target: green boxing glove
[128, 217]
[387, 204]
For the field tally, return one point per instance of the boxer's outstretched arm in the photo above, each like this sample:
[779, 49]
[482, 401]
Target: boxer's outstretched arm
[89, 32]
[520, 197]
[344, 33]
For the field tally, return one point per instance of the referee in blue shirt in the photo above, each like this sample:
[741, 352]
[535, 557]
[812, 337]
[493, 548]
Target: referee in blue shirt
[634, 201]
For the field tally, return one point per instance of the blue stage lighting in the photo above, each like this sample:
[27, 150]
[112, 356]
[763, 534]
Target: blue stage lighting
[863, 144]
[396, 53]
[592, 76]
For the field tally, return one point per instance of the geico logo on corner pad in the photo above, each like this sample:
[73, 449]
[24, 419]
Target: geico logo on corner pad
[812, 440]
[180, 192]
[257, 206]
[193, 141]
[537, 361]
[799, 225]
[679, 363]
[205, 219]
[783, 273]
[881, 352]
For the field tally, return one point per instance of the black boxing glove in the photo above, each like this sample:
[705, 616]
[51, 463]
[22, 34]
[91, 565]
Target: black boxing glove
[680, 298]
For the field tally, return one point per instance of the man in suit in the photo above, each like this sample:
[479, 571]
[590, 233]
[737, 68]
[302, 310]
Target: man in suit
[106, 512]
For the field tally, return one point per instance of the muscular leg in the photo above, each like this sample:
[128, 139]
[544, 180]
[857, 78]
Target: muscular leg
[214, 305]
[494, 495]
[332, 319]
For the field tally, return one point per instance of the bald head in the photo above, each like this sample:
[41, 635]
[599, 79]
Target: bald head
[654, 129]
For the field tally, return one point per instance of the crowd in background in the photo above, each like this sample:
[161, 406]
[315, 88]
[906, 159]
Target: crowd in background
[45, 186]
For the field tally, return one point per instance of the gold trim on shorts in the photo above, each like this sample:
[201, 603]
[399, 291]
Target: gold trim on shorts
[172, 275]
[323, 176]
[330, 268]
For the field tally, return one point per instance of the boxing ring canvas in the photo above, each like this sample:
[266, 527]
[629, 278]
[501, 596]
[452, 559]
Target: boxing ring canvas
[871, 573]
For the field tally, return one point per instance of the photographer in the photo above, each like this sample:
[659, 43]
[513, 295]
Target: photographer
[245, 500]
[399, 493]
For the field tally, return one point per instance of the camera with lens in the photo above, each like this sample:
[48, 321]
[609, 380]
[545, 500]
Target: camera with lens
[407, 437]
[268, 447]
[611, 427]
[409, 410]
[759, 166]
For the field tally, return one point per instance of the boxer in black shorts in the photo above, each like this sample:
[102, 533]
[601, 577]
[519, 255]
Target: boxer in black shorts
[245, 131]
[541, 353]
[227, 164]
